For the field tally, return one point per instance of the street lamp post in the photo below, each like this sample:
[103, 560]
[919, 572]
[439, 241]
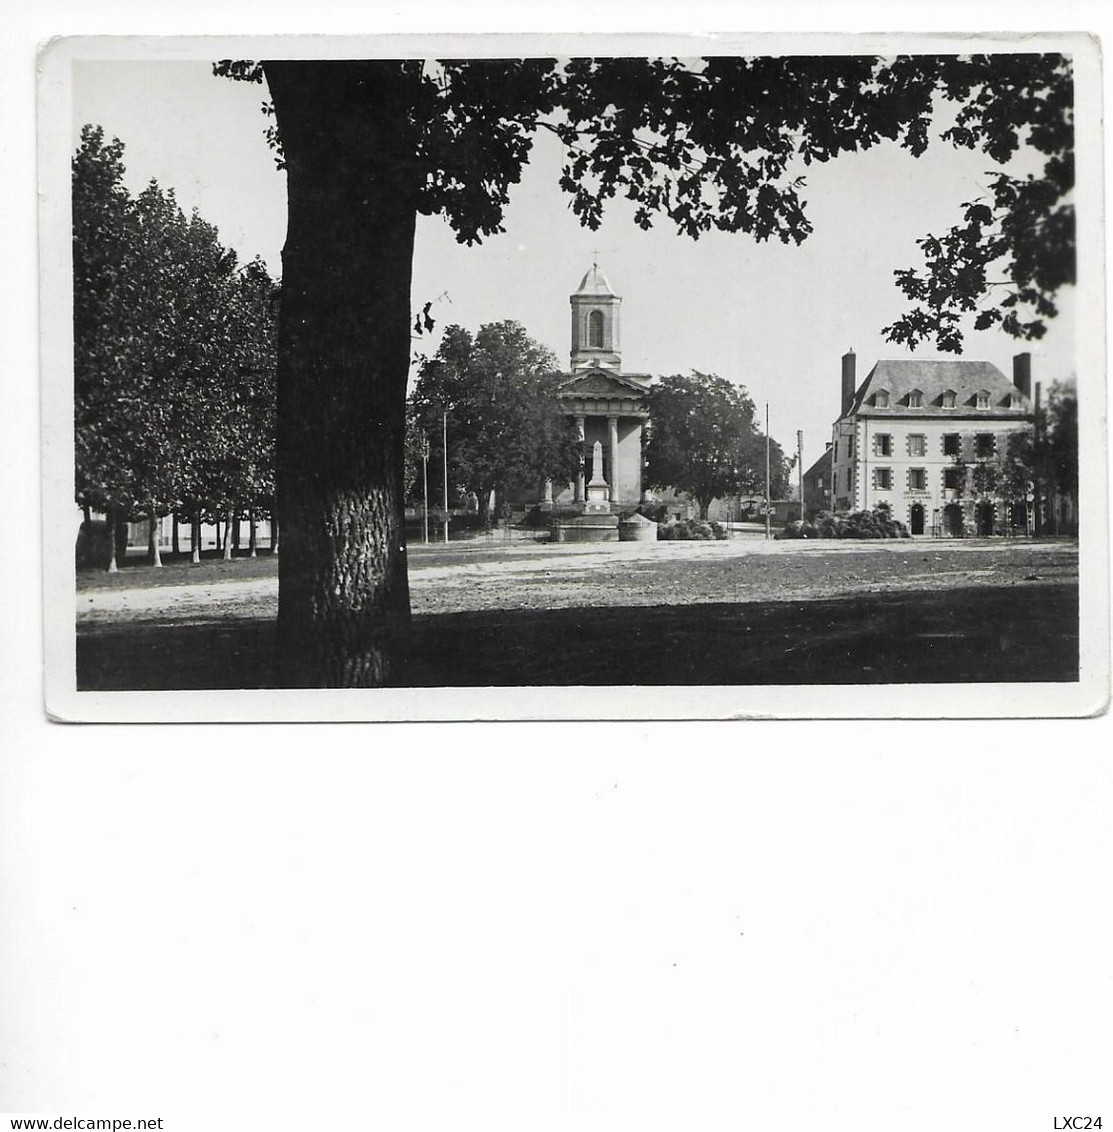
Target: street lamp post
[445, 440]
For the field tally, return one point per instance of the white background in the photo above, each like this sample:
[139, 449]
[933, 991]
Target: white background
[583, 926]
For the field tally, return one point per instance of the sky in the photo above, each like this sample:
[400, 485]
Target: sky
[773, 318]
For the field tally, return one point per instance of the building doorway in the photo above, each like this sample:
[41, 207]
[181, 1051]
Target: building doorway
[1018, 518]
[916, 519]
[986, 514]
[952, 520]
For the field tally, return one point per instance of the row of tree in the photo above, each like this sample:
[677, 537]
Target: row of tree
[174, 357]
[494, 396]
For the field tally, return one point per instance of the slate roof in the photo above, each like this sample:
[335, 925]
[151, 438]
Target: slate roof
[822, 464]
[900, 377]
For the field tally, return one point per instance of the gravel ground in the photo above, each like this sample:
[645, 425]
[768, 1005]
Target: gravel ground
[480, 576]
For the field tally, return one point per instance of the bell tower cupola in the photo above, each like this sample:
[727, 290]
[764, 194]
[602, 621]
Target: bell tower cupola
[595, 309]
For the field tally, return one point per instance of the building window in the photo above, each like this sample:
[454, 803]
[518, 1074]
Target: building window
[850, 447]
[882, 444]
[981, 400]
[881, 399]
[836, 450]
[848, 480]
[915, 399]
[917, 445]
[953, 477]
[917, 479]
[952, 444]
[985, 444]
[948, 399]
[595, 330]
[883, 478]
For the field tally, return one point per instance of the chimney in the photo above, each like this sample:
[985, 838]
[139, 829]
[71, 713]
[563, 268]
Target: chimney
[848, 382]
[1022, 373]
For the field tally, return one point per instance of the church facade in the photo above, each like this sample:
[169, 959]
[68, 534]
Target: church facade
[608, 406]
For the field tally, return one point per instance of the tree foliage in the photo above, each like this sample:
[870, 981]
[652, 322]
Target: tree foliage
[724, 142]
[174, 351]
[1023, 230]
[505, 426]
[1061, 429]
[1032, 462]
[704, 441]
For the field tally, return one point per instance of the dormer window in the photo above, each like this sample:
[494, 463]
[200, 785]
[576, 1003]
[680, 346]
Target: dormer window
[881, 399]
[981, 399]
[915, 399]
[948, 399]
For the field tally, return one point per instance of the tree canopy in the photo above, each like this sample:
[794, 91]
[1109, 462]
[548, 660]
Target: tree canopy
[704, 441]
[724, 142]
[505, 427]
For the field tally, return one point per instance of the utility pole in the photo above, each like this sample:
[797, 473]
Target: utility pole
[445, 439]
[1037, 460]
[800, 469]
[425, 488]
[768, 501]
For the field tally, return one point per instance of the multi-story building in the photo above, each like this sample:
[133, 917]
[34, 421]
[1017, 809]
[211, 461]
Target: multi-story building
[911, 434]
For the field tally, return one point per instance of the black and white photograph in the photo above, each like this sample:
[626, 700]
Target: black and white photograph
[590, 371]
[559, 568]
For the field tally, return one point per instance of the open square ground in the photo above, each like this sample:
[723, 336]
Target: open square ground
[740, 612]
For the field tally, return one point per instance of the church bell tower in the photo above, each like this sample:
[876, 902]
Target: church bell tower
[595, 309]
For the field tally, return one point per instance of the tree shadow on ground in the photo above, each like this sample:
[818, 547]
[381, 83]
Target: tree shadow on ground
[971, 634]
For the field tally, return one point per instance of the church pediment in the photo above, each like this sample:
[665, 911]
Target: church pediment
[597, 383]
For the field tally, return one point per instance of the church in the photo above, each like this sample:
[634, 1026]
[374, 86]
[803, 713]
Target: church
[608, 406]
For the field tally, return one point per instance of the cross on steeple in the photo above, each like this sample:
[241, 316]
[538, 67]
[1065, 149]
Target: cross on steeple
[595, 258]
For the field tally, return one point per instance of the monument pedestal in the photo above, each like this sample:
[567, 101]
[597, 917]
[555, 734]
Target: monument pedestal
[598, 499]
[595, 523]
[588, 527]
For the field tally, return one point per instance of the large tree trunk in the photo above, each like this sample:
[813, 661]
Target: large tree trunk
[251, 531]
[195, 537]
[175, 548]
[343, 356]
[228, 535]
[274, 531]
